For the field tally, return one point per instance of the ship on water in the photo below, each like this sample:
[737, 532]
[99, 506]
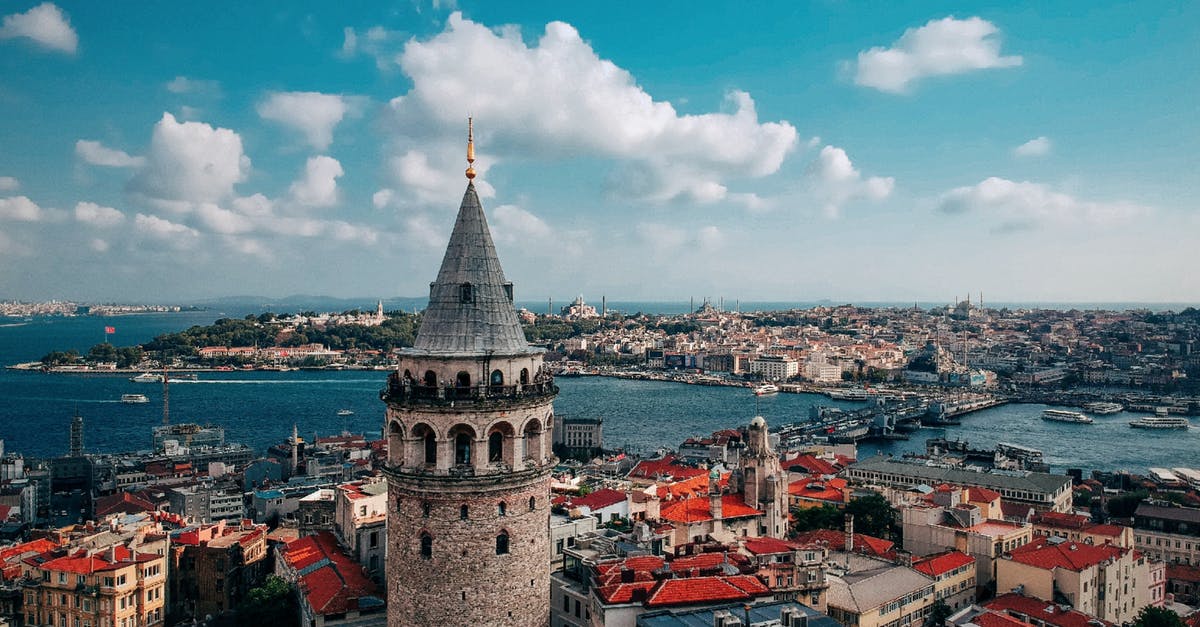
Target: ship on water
[1103, 408]
[189, 434]
[766, 389]
[1160, 422]
[1062, 415]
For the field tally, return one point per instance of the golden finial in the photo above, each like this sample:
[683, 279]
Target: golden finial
[470, 149]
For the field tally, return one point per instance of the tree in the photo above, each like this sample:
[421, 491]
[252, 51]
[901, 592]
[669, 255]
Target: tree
[938, 613]
[873, 515]
[810, 518]
[1124, 505]
[269, 604]
[1151, 616]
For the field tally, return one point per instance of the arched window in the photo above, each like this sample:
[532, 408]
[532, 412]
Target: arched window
[407, 375]
[465, 293]
[497, 377]
[502, 543]
[464, 379]
[496, 447]
[524, 376]
[430, 448]
[426, 508]
[426, 545]
[502, 509]
[532, 503]
[430, 378]
[463, 512]
[462, 449]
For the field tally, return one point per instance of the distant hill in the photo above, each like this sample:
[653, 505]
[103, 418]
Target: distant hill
[306, 302]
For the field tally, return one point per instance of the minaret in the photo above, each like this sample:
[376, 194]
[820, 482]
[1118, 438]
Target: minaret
[469, 414]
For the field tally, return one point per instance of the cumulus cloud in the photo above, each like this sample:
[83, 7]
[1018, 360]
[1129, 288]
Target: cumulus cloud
[1036, 147]
[435, 173]
[46, 25]
[318, 186]
[98, 245]
[191, 162]
[836, 181]
[1022, 205]
[940, 47]
[185, 85]
[559, 98]
[376, 42]
[20, 209]
[383, 198]
[162, 229]
[95, 153]
[8, 184]
[312, 113]
[98, 215]
[513, 224]
[223, 221]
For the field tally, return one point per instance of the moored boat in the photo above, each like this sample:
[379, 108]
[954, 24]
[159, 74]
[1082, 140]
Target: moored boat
[147, 377]
[766, 389]
[1160, 422]
[1062, 415]
[1104, 408]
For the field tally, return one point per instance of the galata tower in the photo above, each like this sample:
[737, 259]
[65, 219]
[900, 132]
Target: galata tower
[469, 414]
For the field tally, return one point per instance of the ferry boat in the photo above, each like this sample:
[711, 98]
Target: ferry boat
[1062, 415]
[1160, 422]
[1104, 408]
[134, 398]
[766, 389]
[851, 394]
[147, 377]
[345, 412]
[183, 378]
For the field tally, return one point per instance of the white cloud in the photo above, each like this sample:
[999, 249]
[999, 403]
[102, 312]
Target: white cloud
[98, 215]
[376, 42]
[382, 198]
[1022, 205]
[223, 221]
[513, 224]
[98, 245]
[1036, 147]
[8, 184]
[45, 24]
[559, 98]
[191, 161]
[20, 209]
[165, 230]
[710, 238]
[349, 42]
[257, 206]
[312, 113]
[434, 183]
[318, 186]
[185, 85]
[835, 181]
[940, 47]
[95, 153]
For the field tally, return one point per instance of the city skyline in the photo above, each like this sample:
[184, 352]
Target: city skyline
[835, 151]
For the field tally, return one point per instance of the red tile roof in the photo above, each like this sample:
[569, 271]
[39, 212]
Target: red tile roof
[1037, 609]
[335, 586]
[122, 502]
[697, 509]
[597, 500]
[998, 619]
[666, 467]
[942, 563]
[1180, 572]
[1075, 556]
[811, 464]
[816, 488]
[981, 495]
[695, 590]
[768, 546]
[836, 541]
[81, 563]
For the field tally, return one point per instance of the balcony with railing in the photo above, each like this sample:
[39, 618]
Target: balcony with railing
[414, 392]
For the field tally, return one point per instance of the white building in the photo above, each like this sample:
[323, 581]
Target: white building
[776, 367]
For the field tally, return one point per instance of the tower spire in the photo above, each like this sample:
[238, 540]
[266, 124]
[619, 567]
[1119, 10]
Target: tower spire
[470, 149]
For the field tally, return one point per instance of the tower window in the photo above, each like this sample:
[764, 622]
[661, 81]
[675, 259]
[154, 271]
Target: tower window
[466, 293]
[532, 503]
[463, 512]
[497, 377]
[426, 545]
[502, 509]
[502, 543]
[495, 446]
[508, 291]
[430, 448]
[462, 449]
[464, 379]
[524, 376]
[426, 508]
[430, 379]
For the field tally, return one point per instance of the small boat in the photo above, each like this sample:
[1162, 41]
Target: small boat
[850, 394]
[183, 378]
[766, 389]
[1104, 408]
[345, 412]
[1160, 422]
[1062, 415]
[147, 377]
[134, 398]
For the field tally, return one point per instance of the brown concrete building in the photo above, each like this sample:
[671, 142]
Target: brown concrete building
[214, 566]
[115, 587]
[468, 422]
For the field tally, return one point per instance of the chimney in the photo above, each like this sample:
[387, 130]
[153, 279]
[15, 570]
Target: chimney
[627, 575]
[111, 556]
[849, 533]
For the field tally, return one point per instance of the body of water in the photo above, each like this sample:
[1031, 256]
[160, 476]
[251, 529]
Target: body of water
[259, 408]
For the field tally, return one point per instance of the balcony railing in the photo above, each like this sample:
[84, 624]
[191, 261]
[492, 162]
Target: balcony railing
[414, 392]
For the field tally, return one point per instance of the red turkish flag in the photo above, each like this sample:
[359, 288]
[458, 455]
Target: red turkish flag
[110, 329]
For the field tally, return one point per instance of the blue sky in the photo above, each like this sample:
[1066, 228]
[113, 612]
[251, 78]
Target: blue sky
[796, 151]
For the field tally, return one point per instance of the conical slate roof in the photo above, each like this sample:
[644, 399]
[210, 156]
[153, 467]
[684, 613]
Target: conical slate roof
[470, 304]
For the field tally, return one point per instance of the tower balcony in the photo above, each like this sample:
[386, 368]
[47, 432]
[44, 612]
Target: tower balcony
[414, 393]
